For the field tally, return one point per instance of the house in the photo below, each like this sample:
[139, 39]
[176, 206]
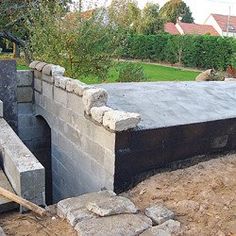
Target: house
[171, 28]
[224, 25]
[190, 28]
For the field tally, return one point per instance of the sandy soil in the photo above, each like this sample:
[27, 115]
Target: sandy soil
[15, 224]
[203, 196]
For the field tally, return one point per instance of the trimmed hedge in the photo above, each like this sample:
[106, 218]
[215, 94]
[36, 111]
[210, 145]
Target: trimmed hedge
[189, 50]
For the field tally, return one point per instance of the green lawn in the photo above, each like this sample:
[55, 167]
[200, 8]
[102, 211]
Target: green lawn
[153, 73]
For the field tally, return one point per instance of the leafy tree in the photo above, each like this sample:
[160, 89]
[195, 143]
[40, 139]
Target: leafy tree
[174, 9]
[123, 13]
[84, 47]
[14, 14]
[150, 22]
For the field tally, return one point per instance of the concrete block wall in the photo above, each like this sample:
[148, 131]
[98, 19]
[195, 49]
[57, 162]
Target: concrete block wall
[83, 151]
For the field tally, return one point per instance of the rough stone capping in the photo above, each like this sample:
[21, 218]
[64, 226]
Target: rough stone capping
[94, 99]
[23, 170]
[1, 109]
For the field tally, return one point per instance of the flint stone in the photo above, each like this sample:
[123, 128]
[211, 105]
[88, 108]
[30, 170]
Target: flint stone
[94, 97]
[75, 203]
[155, 232]
[97, 113]
[57, 70]
[170, 226]
[1, 109]
[159, 214]
[33, 64]
[120, 120]
[80, 88]
[61, 81]
[124, 224]
[71, 85]
[40, 66]
[113, 206]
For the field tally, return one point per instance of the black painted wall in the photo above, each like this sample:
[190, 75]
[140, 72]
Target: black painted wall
[141, 151]
[8, 91]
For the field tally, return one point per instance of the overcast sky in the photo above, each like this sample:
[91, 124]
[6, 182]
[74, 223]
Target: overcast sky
[201, 8]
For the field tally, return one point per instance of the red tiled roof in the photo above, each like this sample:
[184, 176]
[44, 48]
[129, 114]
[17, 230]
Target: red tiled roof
[198, 29]
[222, 21]
[171, 28]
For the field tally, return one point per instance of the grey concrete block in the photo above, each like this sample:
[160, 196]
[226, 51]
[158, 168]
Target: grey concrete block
[60, 96]
[48, 78]
[21, 167]
[74, 102]
[1, 109]
[24, 94]
[38, 85]
[24, 78]
[37, 74]
[25, 109]
[48, 90]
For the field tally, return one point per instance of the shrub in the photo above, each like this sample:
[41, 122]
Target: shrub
[130, 72]
[190, 50]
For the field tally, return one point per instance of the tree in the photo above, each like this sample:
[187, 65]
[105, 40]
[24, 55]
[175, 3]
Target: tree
[175, 9]
[150, 22]
[123, 13]
[14, 14]
[84, 47]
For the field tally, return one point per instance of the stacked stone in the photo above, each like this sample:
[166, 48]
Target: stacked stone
[94, 99]
[105, 213]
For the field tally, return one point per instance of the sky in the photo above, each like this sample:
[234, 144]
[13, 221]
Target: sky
[201, 9]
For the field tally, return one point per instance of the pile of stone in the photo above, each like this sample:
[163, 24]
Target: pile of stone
[106, 214]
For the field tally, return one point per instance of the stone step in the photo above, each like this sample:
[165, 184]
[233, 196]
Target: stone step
[5, 204]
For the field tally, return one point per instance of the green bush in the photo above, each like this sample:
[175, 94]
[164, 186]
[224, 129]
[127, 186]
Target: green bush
[130, 72]
[189, 50]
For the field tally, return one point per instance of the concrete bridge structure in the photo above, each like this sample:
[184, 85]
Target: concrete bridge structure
[110, 136]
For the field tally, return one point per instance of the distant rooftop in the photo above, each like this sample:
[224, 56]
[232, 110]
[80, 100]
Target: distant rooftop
[171, 28]
[197, 29]
[222, 21]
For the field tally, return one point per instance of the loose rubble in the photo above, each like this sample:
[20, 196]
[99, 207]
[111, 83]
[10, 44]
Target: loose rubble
[159, 214]
[104, 213]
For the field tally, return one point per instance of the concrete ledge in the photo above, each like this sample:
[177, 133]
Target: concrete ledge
[25, 173]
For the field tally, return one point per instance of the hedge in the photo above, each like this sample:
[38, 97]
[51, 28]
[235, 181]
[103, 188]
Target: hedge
[189, 50]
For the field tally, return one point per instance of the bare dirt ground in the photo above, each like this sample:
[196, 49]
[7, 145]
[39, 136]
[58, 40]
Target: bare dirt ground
[203, 196]
[15, 224]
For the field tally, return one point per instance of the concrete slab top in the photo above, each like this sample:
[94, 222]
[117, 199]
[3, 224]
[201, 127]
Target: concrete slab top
[165, 104]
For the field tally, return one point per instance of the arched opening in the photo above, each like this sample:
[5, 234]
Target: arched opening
[42, 151]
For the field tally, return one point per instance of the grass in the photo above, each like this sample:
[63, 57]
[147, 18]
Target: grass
[153, 73]
[20, 63]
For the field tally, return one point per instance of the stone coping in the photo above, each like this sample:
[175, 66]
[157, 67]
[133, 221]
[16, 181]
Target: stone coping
[94, 99]
[1, 109]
